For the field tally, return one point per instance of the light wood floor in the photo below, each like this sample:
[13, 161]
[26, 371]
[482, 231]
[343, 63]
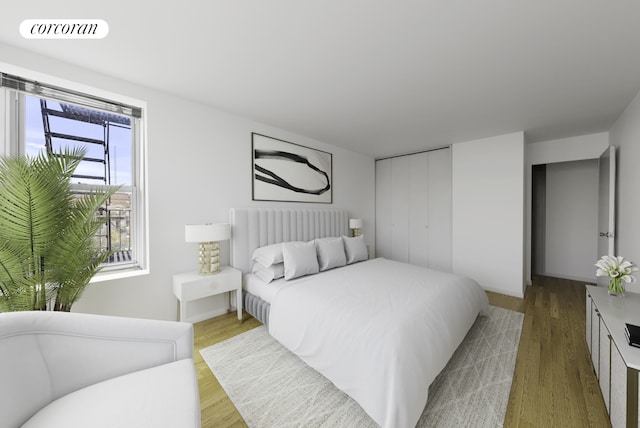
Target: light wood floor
[553, 385]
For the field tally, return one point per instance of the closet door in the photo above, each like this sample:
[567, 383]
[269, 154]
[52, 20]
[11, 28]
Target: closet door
[418, 219]
[413, 209]
[439, 214]
[400, 208]
[383, 209]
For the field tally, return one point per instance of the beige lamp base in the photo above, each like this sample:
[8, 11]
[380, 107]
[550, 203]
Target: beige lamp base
[209, 258]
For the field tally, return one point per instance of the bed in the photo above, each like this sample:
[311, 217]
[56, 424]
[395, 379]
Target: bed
[380, 330]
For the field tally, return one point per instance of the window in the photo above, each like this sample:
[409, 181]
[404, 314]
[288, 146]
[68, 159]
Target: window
[41, 117]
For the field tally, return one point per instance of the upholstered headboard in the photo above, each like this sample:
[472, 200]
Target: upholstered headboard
[256, 227]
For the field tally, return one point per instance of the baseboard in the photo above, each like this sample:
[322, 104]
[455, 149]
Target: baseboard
[503, 292]
[571, 278]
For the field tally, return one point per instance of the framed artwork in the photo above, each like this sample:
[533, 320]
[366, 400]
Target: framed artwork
[283, 171]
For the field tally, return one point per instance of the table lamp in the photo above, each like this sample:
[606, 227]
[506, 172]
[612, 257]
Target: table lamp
[355, 224]
[209, 237]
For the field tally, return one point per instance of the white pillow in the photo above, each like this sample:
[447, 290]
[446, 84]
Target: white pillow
[268, 274]
[330, 253]
[355, 248]
[268, 255]
[300, 259]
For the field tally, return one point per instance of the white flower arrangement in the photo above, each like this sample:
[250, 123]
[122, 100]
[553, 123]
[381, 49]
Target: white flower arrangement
[617, 269]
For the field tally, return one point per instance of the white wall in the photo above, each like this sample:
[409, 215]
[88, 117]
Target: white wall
[488, 217]
[625, 134]
[575, 148]
[571, 221]
[199, 167]
[580, 147]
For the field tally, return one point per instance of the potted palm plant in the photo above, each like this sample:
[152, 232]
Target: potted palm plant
[48, 253]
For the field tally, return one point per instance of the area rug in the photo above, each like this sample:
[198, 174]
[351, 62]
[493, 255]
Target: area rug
[271, 387]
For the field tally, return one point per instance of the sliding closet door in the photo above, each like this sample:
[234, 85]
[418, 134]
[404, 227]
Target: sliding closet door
[418, 220]
[400, 182]
[392, 208]
[440, 214]
[383, 209]
[413, 209]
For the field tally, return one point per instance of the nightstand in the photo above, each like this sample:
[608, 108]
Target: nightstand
[190, 286]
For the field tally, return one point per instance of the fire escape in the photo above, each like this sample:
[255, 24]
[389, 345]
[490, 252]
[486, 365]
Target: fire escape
[112, 217]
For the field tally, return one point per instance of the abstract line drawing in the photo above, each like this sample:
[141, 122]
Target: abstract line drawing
[284, 171]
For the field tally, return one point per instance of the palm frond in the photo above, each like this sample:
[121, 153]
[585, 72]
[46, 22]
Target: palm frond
[46, 232]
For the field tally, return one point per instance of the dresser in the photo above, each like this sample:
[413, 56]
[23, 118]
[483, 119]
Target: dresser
[615, 363]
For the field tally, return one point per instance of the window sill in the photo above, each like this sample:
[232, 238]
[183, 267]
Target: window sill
[118, 274]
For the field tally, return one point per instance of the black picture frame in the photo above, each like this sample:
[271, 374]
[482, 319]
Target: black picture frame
[282, 171]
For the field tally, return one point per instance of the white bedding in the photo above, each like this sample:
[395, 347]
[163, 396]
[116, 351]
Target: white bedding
[380, 330]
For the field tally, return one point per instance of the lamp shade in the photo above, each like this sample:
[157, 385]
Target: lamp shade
[355, 223]
[207, 232]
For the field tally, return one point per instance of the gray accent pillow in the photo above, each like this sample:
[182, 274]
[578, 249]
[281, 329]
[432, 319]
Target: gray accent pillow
[300, 259]
[355, 248]
[330, 253]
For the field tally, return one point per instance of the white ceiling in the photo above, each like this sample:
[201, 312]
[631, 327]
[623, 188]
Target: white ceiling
[378, 77]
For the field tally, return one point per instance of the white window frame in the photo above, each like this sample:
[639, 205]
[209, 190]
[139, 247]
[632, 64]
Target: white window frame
[9, 145]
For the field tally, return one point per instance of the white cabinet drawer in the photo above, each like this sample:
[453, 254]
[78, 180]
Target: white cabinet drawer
[192, 286]
[203, 288]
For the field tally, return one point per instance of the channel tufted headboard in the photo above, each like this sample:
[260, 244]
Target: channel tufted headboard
[256, 227]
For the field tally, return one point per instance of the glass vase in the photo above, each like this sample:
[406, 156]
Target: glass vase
[616, 287]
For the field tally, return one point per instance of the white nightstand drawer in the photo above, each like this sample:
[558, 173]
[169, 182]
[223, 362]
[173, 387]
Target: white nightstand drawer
[207, 287]
[191, 286]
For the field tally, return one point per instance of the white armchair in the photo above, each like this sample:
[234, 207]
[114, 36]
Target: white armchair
[76, 370]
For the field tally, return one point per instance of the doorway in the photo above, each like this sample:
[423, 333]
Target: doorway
[564, 219]
[538, 215]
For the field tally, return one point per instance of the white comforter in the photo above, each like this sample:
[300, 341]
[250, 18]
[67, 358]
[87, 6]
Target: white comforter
[380, 330]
